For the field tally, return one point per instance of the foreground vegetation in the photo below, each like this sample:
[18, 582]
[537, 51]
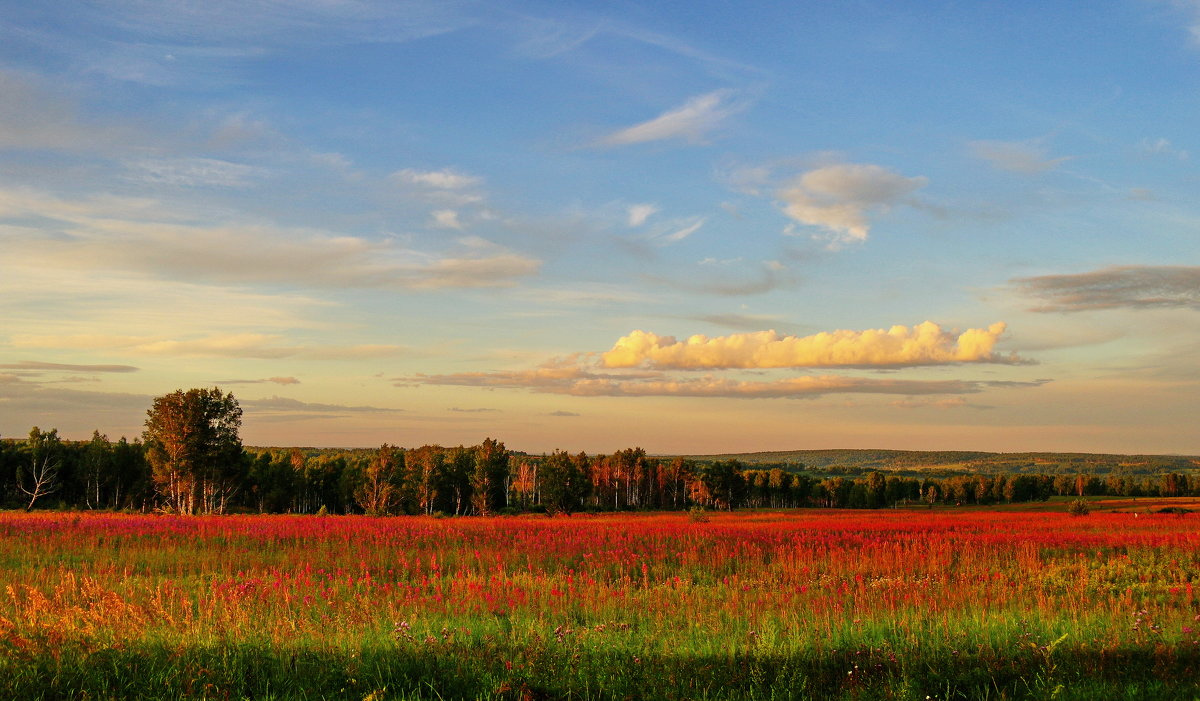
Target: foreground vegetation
[905, 604]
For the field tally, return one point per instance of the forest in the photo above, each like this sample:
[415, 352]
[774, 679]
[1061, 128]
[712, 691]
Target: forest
[190, 459]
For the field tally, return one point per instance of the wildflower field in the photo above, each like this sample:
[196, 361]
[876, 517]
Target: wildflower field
[890, 604]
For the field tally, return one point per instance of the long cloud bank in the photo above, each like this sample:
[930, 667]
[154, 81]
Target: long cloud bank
[582, 383]
[1128, 286]
[899, 346]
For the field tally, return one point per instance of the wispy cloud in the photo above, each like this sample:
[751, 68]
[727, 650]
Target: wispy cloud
[899, 346]
[446, 187]
[639, 213]
[838, 198]
[945, 403]
[65, 367]
[445, 179]
[34, 117]
[104, 235]
[193, 172]
[692, 121]
[1162, 147]
[759, 278]
[273, 380]
[743, 322]
[1028, 157]
[238, 345]
[1129, 286]
[205, 44]
[581, 383]
[284, 405]
[446, 219]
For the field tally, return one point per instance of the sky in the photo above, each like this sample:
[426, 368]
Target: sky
[694, 227]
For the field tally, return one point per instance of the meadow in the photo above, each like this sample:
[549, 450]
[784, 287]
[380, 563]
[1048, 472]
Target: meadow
[890, 604]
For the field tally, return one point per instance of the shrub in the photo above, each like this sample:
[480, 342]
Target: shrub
[1079, 507]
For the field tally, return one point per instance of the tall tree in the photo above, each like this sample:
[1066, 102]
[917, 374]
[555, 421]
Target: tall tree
[45, 460]
[489, 480]
[563, 482]
[194, 449]
[378, 493]
[97, 469]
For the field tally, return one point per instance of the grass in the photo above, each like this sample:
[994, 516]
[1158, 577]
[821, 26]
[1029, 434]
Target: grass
[948, 603]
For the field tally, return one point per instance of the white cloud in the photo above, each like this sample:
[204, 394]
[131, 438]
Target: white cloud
[692, 121]
[193, 172]
[103, 235]
[684, 232]
[639, 213]
[446, 219]
[1028, 157]
[445, 179]
[838, 198]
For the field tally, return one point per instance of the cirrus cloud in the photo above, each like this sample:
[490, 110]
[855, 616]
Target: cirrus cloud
[691, 121]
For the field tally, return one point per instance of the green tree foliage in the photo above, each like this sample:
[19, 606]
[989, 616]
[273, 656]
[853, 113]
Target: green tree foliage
[379, 491]
[194, 449]
[563, 482]
[39, 477]
[489, 479]
[174, 470]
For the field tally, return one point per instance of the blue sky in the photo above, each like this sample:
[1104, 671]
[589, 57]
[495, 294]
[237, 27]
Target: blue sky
[694, 227]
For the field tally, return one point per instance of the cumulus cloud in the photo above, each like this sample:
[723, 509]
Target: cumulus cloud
[1028, 157]
[1128, 286]
[692, 121]
[839, 198]
[923, 344]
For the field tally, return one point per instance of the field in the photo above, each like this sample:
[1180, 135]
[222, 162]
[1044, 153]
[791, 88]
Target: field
[908, 604]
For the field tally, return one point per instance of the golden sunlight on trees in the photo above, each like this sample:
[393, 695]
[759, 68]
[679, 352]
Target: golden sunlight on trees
[194, 450]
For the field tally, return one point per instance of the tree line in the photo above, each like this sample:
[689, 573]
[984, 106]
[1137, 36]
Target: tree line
[190, 459]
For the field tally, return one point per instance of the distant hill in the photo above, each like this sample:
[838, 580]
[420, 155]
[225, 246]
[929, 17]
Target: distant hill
[856, 461]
